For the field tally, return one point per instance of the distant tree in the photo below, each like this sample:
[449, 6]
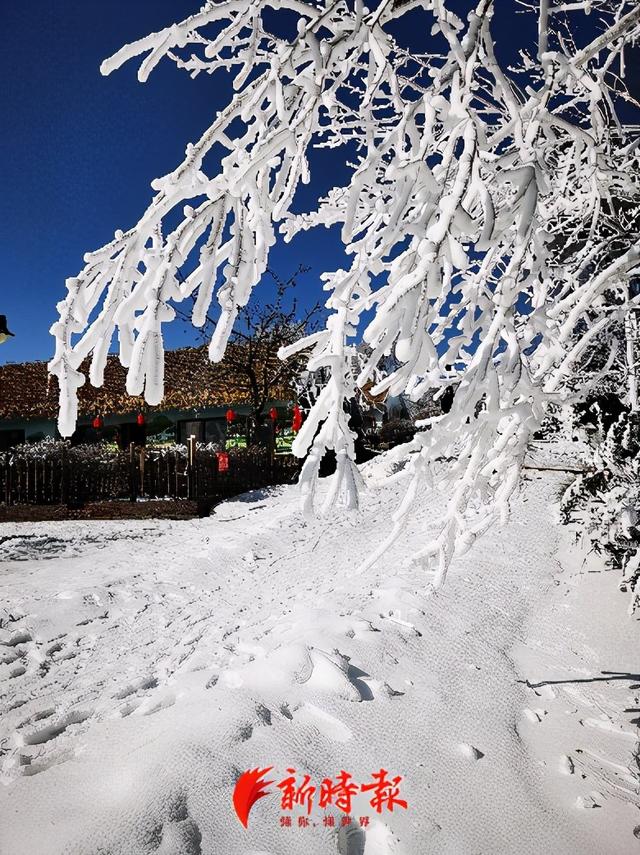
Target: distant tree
[259, 333]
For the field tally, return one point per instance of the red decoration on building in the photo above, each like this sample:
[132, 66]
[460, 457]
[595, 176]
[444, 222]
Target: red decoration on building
[273, 414]
[223, 461]
[230, 416]
[140, 418]
[296, 423]
[98, 423]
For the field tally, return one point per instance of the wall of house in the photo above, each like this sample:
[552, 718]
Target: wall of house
[160, 425]
[34, 429]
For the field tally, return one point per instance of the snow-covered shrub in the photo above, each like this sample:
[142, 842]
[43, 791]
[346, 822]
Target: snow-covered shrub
[605, 500]
[55, 449]
[475, 196]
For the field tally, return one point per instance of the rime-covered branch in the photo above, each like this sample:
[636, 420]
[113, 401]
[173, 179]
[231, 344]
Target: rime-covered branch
[486, 200]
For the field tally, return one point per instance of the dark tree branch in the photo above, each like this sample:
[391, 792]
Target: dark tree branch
[260, 332]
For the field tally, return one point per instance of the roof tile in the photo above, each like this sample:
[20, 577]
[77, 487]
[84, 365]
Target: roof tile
[28, 391]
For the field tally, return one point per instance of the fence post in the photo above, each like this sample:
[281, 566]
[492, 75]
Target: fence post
[7, 481]
[272, 454]
[191, 459]
[141, 470]
[132, 473]
[64, 484]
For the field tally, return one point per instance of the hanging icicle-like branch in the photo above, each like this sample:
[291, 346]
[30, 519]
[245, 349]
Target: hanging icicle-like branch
[485, 198]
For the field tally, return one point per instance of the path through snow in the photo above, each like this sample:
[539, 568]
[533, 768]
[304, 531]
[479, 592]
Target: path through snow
[145, 665]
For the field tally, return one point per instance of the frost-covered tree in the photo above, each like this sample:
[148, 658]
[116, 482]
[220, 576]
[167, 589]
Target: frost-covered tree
[260, 332]
[605, 499]
[475, 217]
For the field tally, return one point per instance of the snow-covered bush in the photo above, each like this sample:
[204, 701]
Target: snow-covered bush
[479, 214]
[605, 500]
[55, 449]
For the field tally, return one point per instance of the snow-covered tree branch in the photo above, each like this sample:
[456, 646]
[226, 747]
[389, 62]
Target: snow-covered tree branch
[488, 198]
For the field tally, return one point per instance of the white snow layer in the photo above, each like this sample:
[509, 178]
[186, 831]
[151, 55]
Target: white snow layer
[144, 665]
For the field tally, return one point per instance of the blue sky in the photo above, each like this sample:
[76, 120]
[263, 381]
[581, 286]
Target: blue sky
[78, 151]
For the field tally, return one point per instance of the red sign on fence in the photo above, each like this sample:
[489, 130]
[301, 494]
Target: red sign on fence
[223, 461]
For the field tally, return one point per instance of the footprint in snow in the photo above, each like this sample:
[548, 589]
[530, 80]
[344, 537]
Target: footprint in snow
[137, 686]
[128, 707]
[20, 637]
[37, 716]
[55, 729]
[9, 656]
[264, 714]
[152, 705]
[181, 838]
[378, 840]
[351, 840]
[54, 648]
[245, 732]
[17, 671]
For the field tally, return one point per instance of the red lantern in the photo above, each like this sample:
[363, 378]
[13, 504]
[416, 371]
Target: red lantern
[97, 423]
[230, 416]
[296, 423]
[140, 418]
[273, 414]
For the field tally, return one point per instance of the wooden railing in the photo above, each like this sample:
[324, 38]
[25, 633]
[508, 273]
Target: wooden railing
[75, 476]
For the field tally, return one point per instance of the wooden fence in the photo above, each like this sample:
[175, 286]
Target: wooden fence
[74, 476]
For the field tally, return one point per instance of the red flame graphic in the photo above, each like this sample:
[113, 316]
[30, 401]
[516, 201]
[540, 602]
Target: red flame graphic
[249, 788]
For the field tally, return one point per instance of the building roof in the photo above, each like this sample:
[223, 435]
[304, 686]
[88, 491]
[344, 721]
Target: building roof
[28, 391]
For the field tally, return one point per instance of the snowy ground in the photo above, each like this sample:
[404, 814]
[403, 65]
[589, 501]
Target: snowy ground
[145, 665]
